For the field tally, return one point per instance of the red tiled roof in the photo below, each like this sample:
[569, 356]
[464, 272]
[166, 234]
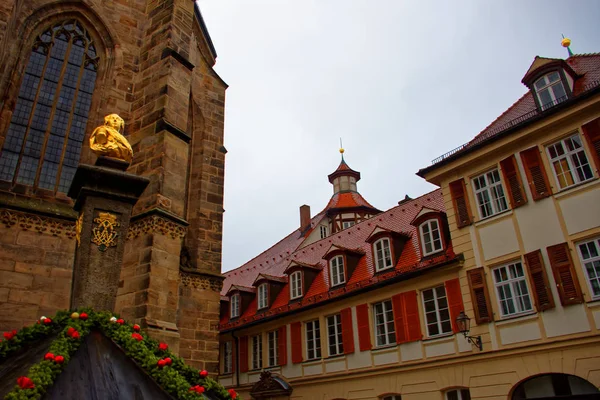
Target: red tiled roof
[343, 170]
[397, 219]
[348, 200]
[282, 279]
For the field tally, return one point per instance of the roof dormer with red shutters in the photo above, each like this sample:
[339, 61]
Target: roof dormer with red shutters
[386, 246]
[267, 290]
[433, 231]
[300, 277]
[341, 263]
[550, 81]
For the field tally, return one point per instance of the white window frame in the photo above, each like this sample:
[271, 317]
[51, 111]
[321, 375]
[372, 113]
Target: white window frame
[257, 352]
[490, 186]
[514, 290]
[273, 339]
[313, 340]
[263, 296]
[296, 285]
[235, 306]
[383, 254]
[335, 343]
[348, 224]
[460, 394]
[437, 245]
[549, 86]
[337, 272]
[383, 320]
[440, 311]
[227, 357]
[572, 157]
[590, 262]
[392, 397]
[324, 231]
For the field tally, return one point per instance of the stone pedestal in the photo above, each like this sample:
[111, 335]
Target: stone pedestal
[104, 196]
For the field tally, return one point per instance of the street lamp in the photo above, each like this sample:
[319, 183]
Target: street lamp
[464, 326]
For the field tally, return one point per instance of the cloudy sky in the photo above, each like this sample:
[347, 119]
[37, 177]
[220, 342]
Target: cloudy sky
[400, 81]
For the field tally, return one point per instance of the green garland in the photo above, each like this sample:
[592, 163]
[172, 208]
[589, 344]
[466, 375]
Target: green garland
[176, 379]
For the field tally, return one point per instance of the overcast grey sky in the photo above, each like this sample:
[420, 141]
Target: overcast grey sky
[401, 82]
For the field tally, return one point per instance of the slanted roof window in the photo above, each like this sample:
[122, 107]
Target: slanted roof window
[550, 90]
[262, 296]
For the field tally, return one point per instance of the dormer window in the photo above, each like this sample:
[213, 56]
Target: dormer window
[296, 285]
[431, 239]
[336, 270]
[550, 90]
[262, 296]
[347, 224]
[235, 306]
[323, 231]
[383, 254]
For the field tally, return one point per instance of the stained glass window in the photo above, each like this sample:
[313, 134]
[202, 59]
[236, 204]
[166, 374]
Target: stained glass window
[45, 135]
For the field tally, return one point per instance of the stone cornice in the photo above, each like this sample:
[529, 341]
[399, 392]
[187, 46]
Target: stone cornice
[156, 223]
[38, 223]
[198, 280]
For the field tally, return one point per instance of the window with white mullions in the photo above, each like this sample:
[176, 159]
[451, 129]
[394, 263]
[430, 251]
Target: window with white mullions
[589, 253]
[569, 161]
[323, 231]
[489, 194]
[273, 343]
[512, 290]
[296, 285]
[383, 254]
[458, 394]
[437, 315]
[337, 270]
[550, 90]
[430, 237]
[235, 305]
[385, 332]
[257, 349]
[334, 335]
[227, 357]
[313, 340]
[262, 296]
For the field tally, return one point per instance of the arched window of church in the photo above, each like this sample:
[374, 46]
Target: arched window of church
[45, 135]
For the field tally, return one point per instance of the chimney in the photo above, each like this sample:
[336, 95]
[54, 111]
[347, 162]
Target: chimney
[304, 218]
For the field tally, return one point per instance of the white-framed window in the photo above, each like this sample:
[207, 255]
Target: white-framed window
[431, 239]
[336, 270]
[227, 357]
[334, 335]
[324, 231]
[589, 254]
[385, 332]
[235, 306]
[383, 254]
[457, 394]
[569, 161]
[489, 194]
[550, 90]
[392, 397]
[437, 315]
[262, 296]
[313, 340]
[347, 224]
[257, 350]
[273, 344]
[296, 285]
[511, 286]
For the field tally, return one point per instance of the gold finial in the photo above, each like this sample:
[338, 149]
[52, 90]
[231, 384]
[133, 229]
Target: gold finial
[107, 140]
[341, 149]
[566, 43]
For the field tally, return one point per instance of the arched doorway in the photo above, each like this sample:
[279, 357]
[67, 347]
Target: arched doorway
[556, 386]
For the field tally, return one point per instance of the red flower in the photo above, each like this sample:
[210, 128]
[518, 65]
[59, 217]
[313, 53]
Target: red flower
[25, 383]
[70, 331]
[59, 359]
[75, 335]
[203, 373]
[197, 389]
[232, 393]
[168, 361]
[137, 336]
[49, 356]
[136, 328]
[8, 335]
[83, 316]
[163, 346]
[161, 363]
[120, 321]
[47, 321]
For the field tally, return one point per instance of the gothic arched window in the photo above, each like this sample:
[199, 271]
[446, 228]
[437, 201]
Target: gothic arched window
[45, 135]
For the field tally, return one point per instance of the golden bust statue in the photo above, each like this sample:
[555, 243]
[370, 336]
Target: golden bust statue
[107, 140]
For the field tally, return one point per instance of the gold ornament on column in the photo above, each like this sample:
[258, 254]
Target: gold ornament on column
[107, 140]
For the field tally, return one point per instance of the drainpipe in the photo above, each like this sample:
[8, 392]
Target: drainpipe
[237, 358]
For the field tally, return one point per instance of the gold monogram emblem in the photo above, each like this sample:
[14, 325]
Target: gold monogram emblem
[104, 234]
[78, 226]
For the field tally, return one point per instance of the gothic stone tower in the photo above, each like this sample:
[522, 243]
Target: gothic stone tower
[67, 64]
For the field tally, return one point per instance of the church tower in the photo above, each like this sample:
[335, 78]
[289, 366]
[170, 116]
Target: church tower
[65, 66]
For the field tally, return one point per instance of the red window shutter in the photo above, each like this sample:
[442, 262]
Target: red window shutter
[399, 318]
[347, 331]
[282, 345]
[462, 211]
[536, 174]
[244, 354]
[516, 193]
[591, 132]
[542, 295]
[296, 330]
[565, 276]
[455, 301]
[412, 325]
[363, 322]
[479, 295]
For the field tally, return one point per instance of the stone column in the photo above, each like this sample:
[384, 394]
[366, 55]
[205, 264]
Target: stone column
[104, 196]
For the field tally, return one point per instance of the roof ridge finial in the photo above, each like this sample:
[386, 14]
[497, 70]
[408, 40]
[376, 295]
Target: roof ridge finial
[566, 42]
[342, 149]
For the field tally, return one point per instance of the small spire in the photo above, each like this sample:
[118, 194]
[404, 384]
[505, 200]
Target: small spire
[342, 149]
[566, 42]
